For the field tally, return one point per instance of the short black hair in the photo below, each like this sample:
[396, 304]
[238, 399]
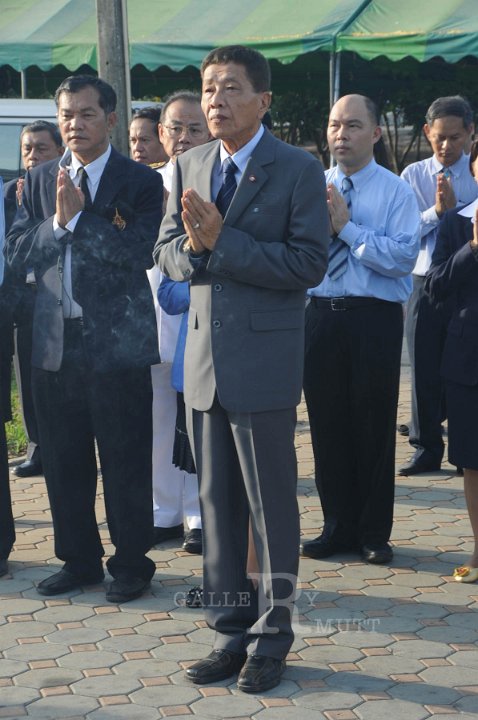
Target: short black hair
[152, 113]
[256, 66]
[184, 95]
[455, 105]
[43, 126]
[75, 83]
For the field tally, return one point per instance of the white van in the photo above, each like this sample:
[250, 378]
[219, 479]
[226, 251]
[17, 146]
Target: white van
[14, 114]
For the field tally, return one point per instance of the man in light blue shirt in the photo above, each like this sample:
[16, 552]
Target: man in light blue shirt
[354, 326]
[440, 183]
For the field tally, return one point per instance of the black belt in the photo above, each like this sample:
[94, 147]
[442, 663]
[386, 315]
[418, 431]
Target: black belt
[346, 303]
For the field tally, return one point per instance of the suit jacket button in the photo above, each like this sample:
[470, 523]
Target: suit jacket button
[218, 287]
[216, 323]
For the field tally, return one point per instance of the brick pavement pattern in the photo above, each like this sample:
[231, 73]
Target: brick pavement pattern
[371, 641]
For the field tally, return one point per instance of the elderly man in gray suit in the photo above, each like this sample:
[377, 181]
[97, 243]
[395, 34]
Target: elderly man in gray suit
[249, 255]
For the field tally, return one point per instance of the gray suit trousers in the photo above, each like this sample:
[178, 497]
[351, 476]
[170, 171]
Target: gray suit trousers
[247, 468]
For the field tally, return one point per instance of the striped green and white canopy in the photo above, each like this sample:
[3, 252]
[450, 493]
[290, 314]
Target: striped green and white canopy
[421, 29]
[176, 33]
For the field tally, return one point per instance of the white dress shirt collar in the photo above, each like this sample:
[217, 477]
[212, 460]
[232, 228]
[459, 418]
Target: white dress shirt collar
[244, 153]
[360, 178]
[94, 169]
[456, 169]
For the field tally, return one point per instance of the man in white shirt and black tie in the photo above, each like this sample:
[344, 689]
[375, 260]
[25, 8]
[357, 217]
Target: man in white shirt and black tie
[94, 339]
[440, 182]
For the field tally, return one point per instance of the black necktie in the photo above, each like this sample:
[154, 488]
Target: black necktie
[228, 187]
[338, 249]
[84, 187]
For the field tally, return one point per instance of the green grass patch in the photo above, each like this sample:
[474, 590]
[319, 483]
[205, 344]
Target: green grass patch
[16, 438]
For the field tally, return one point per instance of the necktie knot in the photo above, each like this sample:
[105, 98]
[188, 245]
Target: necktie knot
[229, 167]
[347, 185]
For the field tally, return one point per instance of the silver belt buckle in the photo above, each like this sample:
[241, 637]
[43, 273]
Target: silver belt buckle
[337, 304]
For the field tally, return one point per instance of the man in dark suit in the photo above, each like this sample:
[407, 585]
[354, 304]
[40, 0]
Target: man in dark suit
[249, 257]
[87, 227]
[7, 528]
[40, 142]
[452, 285]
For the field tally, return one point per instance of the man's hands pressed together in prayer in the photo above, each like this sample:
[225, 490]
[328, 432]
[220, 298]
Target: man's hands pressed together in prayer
[445, 195]
[70, 200]
[338, 211]
[202, 222]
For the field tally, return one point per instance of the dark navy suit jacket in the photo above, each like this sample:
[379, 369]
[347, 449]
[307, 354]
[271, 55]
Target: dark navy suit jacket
[111, 249]
[453, 281]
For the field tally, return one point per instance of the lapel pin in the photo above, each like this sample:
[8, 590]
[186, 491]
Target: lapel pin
[252, 178]
[118, 221]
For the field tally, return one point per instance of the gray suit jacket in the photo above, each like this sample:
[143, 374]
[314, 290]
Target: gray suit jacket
[246, 320]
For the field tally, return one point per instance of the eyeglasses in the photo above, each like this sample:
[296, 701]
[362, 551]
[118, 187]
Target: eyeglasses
[176, 131]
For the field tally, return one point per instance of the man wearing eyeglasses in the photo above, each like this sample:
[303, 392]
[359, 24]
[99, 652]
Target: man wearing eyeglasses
[182, 127]
[175, 493]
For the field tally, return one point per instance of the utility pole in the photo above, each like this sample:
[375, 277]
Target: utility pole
[113, 62]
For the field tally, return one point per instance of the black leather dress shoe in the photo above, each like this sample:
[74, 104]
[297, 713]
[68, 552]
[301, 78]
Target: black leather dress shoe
[379, 554]
[121, 591]
[260, 673]
[418, 466]
[63, 581]
[194, 597]
[29, 468]
[321, 548]
[193, 541]
[161, 534]
[218, 665]
[3, 567]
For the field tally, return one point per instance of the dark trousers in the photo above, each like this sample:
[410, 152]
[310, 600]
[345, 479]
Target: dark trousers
[351, 383]
[75, 406]
[7, 528]
[247, 468]
[23, 372]
[425, 330]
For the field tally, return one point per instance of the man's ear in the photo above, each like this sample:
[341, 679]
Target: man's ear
[377, 134]
[111, 120]
[266, 99]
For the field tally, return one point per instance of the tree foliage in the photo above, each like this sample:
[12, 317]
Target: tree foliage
[402, 90]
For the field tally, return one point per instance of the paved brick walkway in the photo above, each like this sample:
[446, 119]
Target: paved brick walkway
[371, 642]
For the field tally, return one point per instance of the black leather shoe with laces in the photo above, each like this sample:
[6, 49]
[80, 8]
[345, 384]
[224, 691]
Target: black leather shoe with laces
[218, 665]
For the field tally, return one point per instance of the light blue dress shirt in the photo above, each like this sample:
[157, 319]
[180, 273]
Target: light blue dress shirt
[2, 232]
[383, 236]
[241, 158]
[422, 177]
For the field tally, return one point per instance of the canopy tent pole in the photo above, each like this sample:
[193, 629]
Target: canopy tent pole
[334, 85]
[23, 80]
[336, 91]
[334, 77]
